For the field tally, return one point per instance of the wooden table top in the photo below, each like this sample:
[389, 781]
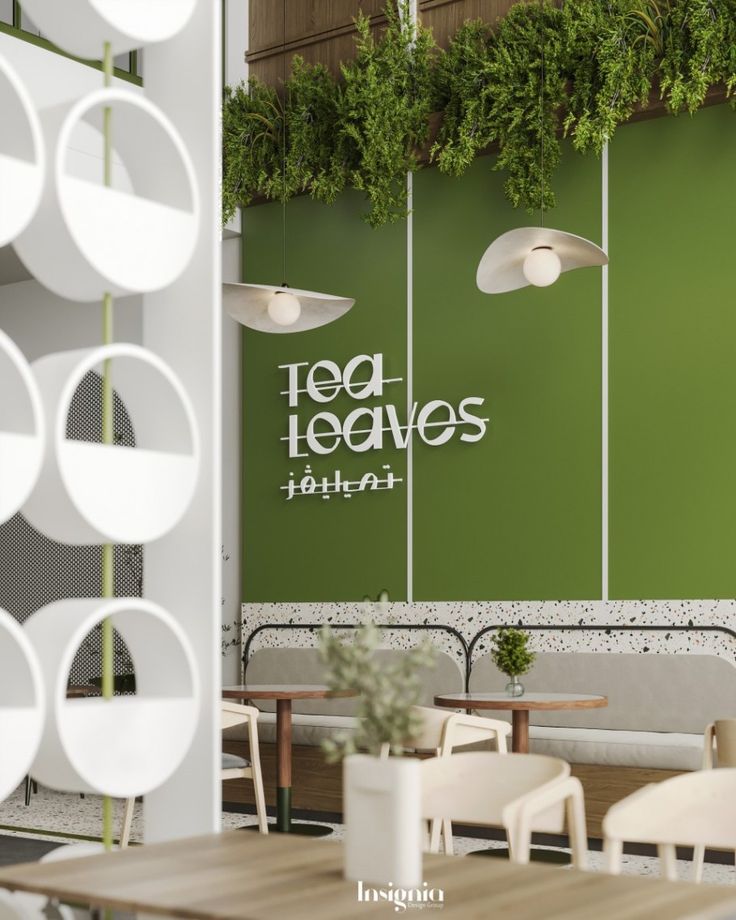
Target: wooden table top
[527, 701]
[283, 692]
[241, 876]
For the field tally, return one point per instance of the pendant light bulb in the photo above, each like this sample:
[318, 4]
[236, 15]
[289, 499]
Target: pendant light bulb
[284, 308]
[542, 266]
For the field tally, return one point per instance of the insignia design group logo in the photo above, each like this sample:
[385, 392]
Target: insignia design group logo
[404, 898]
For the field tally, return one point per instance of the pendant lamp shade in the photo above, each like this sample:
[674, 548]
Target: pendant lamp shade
[502, 267]
[253, 306]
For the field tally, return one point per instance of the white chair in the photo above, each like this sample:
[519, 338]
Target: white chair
[719, 738]
[441, 733]
[233, 767]
[520, 792]
[127, 823]
[694, 809]
[25, 906]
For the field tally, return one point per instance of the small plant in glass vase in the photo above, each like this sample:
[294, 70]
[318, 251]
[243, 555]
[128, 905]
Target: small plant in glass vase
[513, 657]
[381, 793]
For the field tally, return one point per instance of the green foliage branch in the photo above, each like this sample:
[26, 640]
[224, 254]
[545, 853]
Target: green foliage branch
[278, 146]
[387, 690]
[510, 651]
[506, 87]
[602, 59]
[387, 100]
[611, 65]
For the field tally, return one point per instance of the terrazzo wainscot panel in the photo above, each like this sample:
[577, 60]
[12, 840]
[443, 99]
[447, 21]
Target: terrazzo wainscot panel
[516, 515]
[309, 548]
[673, 373]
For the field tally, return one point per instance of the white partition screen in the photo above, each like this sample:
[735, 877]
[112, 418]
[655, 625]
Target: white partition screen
[120, 195]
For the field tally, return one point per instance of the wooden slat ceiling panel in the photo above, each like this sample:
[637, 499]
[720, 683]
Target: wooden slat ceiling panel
[444, 17]
[323, 30]
[304, 19]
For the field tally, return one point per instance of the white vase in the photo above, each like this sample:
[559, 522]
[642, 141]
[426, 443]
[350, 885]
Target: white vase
[382, 814]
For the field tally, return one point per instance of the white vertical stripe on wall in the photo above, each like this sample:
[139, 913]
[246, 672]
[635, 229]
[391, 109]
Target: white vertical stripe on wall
[413, 10]
[604, 378]
[410, 388]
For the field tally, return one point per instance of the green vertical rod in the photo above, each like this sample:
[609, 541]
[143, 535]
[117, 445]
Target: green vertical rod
[108, 567]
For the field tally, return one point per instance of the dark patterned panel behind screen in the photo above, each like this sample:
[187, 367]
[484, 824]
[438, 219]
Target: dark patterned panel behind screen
[34, 571]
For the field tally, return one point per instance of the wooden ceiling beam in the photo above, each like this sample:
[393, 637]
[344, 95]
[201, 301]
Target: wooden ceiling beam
[323, 31]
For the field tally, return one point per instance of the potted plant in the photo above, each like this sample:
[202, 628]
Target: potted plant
[512, 657]
[381, 793]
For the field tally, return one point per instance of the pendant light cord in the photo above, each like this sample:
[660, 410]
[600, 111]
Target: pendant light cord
[283, 149]
[541, 112]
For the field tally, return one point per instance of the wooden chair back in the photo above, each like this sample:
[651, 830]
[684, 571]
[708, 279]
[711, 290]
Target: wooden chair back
[442, 730]
[478, 787]
[695, 809]
[236, 714]
[722, 733]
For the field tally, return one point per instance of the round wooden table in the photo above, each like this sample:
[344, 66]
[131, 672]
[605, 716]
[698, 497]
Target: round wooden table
[284, 694]
[520, 707]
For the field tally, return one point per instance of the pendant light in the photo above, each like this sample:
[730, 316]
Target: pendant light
[534, 255]
[280, 309]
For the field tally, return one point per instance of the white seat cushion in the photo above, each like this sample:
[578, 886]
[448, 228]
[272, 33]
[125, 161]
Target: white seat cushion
[653, 750]
[607, 747]
[233, 762]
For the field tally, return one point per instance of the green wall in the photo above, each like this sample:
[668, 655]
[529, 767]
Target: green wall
[672, 345]
[517, 515]
[308, 549]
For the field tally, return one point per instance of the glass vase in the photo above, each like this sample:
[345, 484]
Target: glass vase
[514, 687]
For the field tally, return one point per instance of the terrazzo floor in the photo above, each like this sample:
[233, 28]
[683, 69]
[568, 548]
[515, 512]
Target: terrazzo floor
[62, 817]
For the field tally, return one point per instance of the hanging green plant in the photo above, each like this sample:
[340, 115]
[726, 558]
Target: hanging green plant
[612, 55]
[528, 76]
[259, 161]
[586, 66]
[388, 96]
[316, 160]
[699, 50]
[252, 122]
[507, 88]
[464, 81]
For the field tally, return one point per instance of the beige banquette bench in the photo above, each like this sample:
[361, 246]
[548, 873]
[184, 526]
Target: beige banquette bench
[659, 706]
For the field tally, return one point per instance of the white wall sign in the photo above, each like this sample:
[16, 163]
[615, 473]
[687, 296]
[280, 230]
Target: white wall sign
[365, 428]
